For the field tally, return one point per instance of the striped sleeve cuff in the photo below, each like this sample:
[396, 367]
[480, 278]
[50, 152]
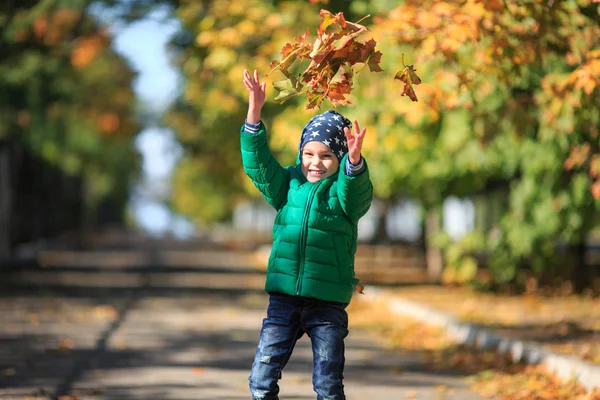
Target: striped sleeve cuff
[252, 129]
[352, 169]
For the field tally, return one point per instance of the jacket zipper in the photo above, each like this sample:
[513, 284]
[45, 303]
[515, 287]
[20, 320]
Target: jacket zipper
[303, 237]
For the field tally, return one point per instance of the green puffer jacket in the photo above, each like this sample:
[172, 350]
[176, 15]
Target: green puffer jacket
[315, 230]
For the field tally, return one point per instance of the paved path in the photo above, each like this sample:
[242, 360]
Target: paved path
[153, 325]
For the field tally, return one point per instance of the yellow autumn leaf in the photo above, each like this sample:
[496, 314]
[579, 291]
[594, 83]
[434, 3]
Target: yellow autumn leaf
[247, 27]
[206, 38]
[230, 37]
[428, 20]
[443, 8]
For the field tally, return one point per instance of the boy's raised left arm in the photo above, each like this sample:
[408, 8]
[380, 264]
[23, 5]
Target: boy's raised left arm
[355, 190]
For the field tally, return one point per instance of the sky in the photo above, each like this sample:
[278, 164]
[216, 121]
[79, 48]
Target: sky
[143, 44]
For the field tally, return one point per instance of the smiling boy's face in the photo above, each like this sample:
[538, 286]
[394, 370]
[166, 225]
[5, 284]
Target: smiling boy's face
[318, 161]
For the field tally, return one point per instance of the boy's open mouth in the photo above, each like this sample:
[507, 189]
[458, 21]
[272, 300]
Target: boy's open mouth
[315, 172]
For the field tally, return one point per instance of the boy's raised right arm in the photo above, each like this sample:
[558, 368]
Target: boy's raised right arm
[269, 177]
[256, 96]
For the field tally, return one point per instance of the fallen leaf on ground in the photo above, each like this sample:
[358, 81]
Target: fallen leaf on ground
[496, 375]
[105, 312]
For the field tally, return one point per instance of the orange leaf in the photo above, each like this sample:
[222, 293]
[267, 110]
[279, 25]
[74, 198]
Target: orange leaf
[40, 26]
[595, 189]
[330, 19]
[108, 122]
[85, 51]
[493, 5]
[374, 57]
[409, 77]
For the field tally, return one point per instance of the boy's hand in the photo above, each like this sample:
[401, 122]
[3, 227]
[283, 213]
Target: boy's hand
[256, 96]
[355, 142]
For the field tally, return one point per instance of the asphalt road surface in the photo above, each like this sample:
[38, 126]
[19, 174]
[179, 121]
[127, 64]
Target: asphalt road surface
[151, 323]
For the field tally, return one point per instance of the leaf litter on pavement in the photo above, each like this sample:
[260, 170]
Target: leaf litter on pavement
[492, 374]
[564, 323]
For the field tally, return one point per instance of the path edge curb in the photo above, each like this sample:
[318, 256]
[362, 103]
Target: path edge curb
[564, 366]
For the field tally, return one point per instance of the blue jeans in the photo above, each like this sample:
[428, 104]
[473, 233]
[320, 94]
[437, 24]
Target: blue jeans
[288, 318]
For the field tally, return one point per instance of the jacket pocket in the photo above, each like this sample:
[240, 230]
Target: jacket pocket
[344, 260]
[273, 256]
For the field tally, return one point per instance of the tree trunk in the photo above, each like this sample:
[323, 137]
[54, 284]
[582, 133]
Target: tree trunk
[435, 262]
[581, 277]
[381, 235]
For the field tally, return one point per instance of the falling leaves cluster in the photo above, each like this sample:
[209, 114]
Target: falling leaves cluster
[332, 56]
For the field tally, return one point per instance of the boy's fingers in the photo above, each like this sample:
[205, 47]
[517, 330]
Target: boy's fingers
[349, 136]
[361, 132]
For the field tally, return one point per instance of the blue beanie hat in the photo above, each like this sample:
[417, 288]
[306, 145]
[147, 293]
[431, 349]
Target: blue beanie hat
[327, 128]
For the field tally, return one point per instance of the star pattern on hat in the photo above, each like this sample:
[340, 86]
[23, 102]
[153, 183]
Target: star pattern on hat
[327, 128]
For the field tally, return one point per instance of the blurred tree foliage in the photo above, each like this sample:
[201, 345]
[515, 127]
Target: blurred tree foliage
[509, 104]
[67, 95]
[513, 94]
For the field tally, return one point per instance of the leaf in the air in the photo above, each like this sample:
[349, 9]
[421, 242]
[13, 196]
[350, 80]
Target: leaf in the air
[328, 20]
[286, 90]
[292, 52]
[339, 86]
[373, 57]
[315, 99]
[359, 288]
[409, 77]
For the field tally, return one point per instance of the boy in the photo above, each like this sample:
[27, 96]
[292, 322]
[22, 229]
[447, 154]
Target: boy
[310, 276]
